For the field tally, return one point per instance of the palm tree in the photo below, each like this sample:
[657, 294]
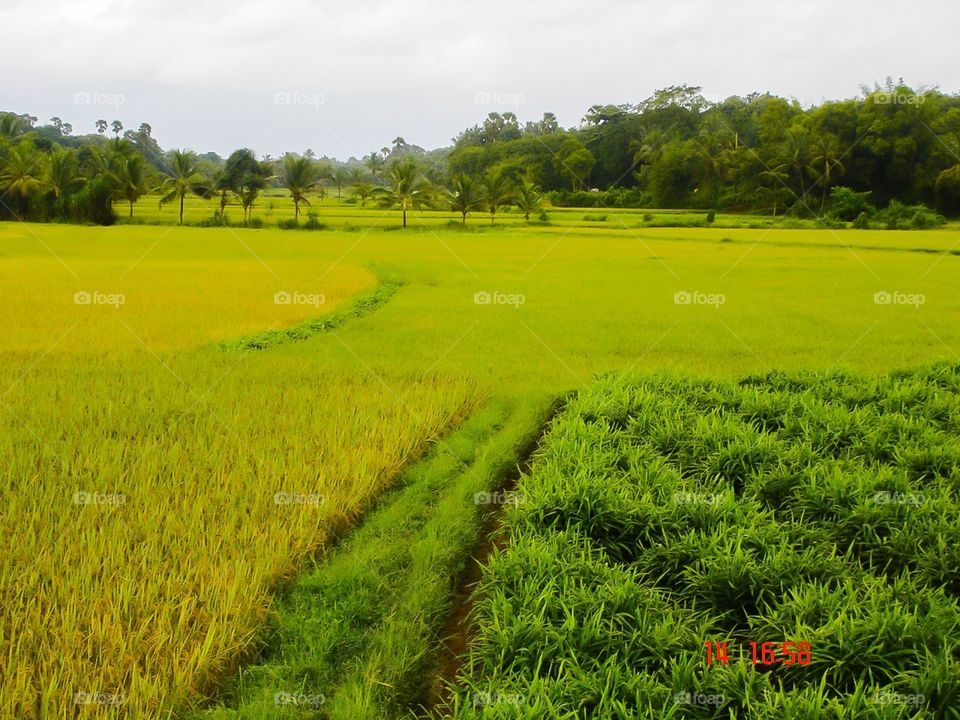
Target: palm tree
[11, 126]
[464, 195]
[406, 186]
[374, 162]
[528, 198]
[130, 177]
[716, 142]
[185, 178]
[363, 190]
[62, 172]
[20, 176]
[222, 187]
[249, 194]
[826, 162]
[300, 174]
[340, 177]
[497, 192]
[777, 177]
[798, 152]
[357, 174]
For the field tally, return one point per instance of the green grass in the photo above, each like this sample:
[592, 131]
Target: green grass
[142, 400]
[359, 308]
[662, 514]
[276, 207]
[358, 632]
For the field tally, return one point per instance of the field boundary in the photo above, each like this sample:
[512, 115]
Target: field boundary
[361, 306]
[375, 604]
[454, 638]
[579, 231]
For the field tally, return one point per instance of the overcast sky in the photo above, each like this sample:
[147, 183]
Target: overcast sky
[344, 78]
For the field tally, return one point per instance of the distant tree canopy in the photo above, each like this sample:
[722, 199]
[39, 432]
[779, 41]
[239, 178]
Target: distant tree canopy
[679, 150]
[675, 149]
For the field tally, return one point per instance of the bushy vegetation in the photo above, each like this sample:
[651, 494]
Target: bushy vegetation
[759, 153]
[662, 514]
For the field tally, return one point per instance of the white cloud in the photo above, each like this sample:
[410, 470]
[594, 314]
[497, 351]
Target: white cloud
[204, 72]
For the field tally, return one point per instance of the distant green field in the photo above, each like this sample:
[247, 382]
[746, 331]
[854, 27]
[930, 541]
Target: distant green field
[137, 398]
[347, 212]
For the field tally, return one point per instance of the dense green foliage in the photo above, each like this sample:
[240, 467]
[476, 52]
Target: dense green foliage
[759, 153]
[662, 514]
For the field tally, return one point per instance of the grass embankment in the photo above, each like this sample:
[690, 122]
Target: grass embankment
[345, 214]
[662, 514]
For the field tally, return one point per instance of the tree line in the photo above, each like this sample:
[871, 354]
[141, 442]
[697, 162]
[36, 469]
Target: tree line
[760, 153]
[756, 153]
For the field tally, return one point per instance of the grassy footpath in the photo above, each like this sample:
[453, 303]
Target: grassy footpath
[357, 636]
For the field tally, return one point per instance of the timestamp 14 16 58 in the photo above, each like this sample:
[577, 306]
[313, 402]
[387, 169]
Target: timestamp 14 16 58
[763, 653]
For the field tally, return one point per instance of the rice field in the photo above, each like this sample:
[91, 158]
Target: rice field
[164, 478]
[784, 546]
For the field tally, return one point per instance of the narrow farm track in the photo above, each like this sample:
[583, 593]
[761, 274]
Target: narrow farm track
[456, 632]
[355, 635]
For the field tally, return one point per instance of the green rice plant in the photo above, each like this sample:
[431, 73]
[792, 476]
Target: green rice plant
[809, 508]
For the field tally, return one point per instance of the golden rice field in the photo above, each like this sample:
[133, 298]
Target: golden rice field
[157, 488]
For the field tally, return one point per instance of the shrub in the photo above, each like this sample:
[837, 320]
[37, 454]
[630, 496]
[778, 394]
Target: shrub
[898, 216]
[922, 221]
[254, 222]
[313, 222]
[846, 204]
[862, 222]
[288, 224]
[612, 198]
[216, 220]
[92, 204]
[711, 216]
